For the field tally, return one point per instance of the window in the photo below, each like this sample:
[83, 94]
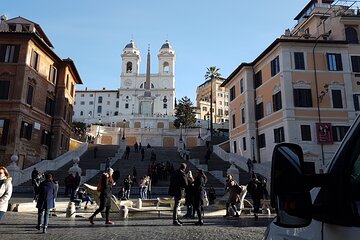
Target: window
[356, 101]
[91, 102]
[34, 62]
[305, 132]
[338, 132]
[275, 66]
[126, 105]
[226, 112]
[117, 104]
[351, 35]
[334, 61]
[82, 102]
[204, 109]
[99, 109]
[279, 135]
[82, 95]
[108, 102]
[166, 67]
[241, 85]
[220, 112]
[299, 60]
[164, 105]
[129, 67]
[49, 106]
[336, 99]
[257, 79]
[90, 113]
[259, 111]
[100, 99]
[242, 115]
[53, 75]
[72, 90]
[261, 139]
[117, 95]
[277, 104]
[9, 53]
[232, 93]
[235, 146]
[244, 143]
[4, 129]
[91, 95]
[26, 130]
[67, 81]
[45, 138]
[81, 113]
[302, 98]
[4, 89]
[30, 93]
[355, 63]
[116, 113]
[233, 121]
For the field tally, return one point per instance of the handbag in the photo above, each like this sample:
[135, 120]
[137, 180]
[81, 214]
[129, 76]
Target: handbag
[204, 198]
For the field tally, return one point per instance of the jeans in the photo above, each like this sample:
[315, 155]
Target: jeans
[46, 217]
[2, 215]
[176, 206]
[143, 193]
[127, 193]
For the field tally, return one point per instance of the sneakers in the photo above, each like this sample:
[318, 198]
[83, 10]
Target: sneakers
[38, 227]
[236, 215]
[109, 222]
[91, 220]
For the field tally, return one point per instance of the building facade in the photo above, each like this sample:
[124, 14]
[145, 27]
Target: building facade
[303, 88]
[220, 101]
[37, 91]
[140, 94]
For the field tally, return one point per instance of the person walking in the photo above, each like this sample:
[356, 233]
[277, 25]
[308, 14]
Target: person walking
[6, 189]
[250, 165]
[199, 193]
[234, 197]
[178, 182]
[45, 202]
[256, 190]
[107, 183]
[127, 152]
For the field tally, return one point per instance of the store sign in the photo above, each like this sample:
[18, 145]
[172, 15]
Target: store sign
[324, 133]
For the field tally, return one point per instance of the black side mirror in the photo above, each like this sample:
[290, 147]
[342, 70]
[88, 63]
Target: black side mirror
[290, 194]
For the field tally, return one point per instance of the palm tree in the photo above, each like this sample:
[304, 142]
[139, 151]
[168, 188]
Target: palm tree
[211, 74]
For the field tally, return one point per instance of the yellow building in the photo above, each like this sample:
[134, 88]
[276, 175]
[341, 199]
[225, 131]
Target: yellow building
[304, 88]
[220, 101]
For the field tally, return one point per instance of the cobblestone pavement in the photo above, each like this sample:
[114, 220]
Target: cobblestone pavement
[22, 226]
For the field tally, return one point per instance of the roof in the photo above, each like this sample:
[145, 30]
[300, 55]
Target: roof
[308, 6]
[41, 33]
[73, 69]
[272, 45]
[166, 45]
[131, 44]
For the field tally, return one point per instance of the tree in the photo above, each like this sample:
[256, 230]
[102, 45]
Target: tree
[184, 113]
[211, 74]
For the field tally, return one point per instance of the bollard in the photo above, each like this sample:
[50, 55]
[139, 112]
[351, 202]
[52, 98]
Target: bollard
[70, 211]
[124, 212]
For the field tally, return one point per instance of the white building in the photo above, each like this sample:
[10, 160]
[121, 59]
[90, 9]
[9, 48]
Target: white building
[140, 94]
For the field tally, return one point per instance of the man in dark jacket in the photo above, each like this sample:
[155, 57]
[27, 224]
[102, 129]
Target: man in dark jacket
[178, 183]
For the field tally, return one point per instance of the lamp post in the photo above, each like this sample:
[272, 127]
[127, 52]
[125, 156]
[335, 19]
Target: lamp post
[180, 132]
[253, 149]
[211, 108]
[208, 120]
[124, 122]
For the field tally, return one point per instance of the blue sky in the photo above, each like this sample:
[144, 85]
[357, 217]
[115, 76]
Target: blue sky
[203, 33]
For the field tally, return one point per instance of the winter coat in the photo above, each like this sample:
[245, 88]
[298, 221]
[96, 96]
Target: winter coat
[106, 190]
[46, 195]
[5, 194]
[178, 183]
[234, 197]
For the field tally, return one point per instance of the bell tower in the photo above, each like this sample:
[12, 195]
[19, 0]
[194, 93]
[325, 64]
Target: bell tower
[130, 66]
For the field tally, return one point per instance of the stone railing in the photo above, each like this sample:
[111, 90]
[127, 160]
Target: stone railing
[21, 176]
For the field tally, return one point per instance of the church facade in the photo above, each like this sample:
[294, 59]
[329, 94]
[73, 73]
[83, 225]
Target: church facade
[140, 96]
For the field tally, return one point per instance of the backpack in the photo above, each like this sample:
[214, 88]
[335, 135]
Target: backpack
[99, 184]
[251, 187]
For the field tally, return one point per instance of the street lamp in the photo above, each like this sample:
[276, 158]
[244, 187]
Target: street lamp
[211, 108]
[180, 132]
[253, 148]
[208, 120]
[124, 122]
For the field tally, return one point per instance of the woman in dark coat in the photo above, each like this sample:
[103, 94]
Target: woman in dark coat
[45, 201]
[199, 191]
[107, 183]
